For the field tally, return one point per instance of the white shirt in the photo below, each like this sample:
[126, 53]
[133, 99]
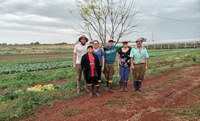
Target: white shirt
[80, 50]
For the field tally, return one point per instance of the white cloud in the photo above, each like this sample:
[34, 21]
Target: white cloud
[25, 21]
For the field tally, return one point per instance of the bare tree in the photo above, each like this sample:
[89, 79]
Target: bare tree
[107, 19]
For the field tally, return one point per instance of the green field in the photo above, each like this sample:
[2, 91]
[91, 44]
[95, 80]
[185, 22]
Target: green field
[22, 71]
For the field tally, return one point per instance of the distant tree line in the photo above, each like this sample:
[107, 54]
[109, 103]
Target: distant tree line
[3, 43]
[36, 43]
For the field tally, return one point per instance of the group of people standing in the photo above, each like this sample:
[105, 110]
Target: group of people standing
[93, 60]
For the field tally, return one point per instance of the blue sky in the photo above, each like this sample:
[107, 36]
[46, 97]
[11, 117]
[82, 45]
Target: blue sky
[49, 21]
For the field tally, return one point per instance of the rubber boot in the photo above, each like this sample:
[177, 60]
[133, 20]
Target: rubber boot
[135, 86]
[97, 91]
[107, 86]
[90, 91]
[93, 88]
[139, 86]
[110, 88]
[125, 86]
[121, 86]
[86, 88]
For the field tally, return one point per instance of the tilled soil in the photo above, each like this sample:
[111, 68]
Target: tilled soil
[164, 98]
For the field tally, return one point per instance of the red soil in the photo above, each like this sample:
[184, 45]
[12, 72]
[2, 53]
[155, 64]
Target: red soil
[175, 90]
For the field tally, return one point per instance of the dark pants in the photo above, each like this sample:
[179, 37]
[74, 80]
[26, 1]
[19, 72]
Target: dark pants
[99, 72]
[124, 73]
[92, 80]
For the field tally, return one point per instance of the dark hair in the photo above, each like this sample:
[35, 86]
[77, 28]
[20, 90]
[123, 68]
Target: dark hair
[96, 41]
[90, 46]
[141, 38]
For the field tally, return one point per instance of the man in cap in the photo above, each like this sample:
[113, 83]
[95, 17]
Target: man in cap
[79, 50]
[139, 56]
[110, 52]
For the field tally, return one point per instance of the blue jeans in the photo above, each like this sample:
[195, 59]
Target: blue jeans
[124, 73]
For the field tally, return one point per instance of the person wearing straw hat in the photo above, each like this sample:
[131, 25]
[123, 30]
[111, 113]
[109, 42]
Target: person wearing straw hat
[79, 50]
[124, 65]
[139, 63]
[110, 52]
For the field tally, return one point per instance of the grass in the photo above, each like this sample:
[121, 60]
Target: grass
[177, 66]
[189, 112]
[16, 104]
[72, 112]
[162, 85]
[137, 95]
[36, 77]
[117, 101]
[169, 82]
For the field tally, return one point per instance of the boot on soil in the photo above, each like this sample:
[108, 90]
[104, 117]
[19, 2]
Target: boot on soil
[126, 86]
[107, 86]
[97, 91]
[121, 88]
[90, 91]
[140, 86]
[135, 86]
[110, 88]
[87, 89]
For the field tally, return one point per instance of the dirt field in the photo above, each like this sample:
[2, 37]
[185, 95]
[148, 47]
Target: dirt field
[35, 55]
[167, 97]
[32, 57]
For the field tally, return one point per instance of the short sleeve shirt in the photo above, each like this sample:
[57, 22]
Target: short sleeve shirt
[80, 50]
[124, 58]
[110, 53]
[99, 54]
[139, 57]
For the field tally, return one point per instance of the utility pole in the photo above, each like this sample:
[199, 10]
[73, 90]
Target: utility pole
[152, 37]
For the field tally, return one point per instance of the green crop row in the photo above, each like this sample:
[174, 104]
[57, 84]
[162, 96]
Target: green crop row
[164, 53]
[9, 69]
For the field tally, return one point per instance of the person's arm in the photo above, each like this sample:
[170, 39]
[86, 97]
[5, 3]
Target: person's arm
[83, 63]
[132, 59]
[103, 58]
[132, 65]
[74, 57]
[119, 47]
[146, 60]
[98, 68]
[118, 60]
[74, 60]
[146, 64]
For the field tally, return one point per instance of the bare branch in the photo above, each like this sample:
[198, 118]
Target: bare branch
[107, 18]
